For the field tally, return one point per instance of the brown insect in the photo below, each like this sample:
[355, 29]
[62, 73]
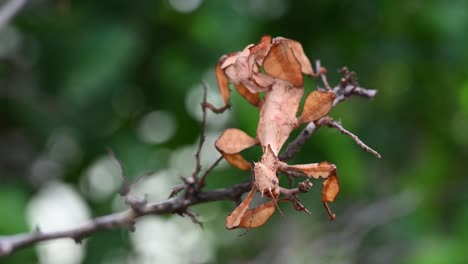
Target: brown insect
[274, 67]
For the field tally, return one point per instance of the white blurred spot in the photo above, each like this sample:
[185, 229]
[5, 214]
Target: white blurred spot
[57, 207]
[173, 240]
[195, 97]
[102, 178]
[209, 152]
[266, 9]
[157, 127]
[185, 6]
[63, 147]
[183, 160]
[157, 186]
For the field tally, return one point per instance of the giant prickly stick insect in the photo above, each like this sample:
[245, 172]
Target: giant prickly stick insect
[274, 67]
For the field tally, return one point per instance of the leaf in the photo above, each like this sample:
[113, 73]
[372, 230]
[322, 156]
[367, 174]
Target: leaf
[316, 170]
[234, 219]
[223, 82]
[257, 217]
[330, 189]
[282, 64]
[253, 98]
[317, 105]
[234, 140]
[301, 57]
[238, 161]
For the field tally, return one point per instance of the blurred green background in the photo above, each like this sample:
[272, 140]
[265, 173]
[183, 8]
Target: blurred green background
[79, 77]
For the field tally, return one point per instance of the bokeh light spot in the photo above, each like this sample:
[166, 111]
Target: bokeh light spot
[102, 179]
[157, 127]
[185, 6]
[57, 207]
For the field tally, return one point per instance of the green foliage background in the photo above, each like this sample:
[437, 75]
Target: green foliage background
[94, 69]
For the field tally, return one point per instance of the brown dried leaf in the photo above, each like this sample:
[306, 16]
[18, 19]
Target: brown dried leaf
[238, 161]
[234, 140]
[316, 170]
[223, 82]
[253, 98]
[282, 64]
[234, 219]
[330, 189]
[301, 57]
[317, 105]
[257, 217]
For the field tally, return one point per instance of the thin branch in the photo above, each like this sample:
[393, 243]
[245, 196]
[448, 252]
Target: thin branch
[337, 125]
[202, 182]
[346, 88]
[9, 10]
[125, 219]
[298, 142]
[322, 72]
[176, 189]
[202, 133]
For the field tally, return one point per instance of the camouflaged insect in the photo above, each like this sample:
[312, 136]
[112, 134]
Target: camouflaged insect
[274, 67]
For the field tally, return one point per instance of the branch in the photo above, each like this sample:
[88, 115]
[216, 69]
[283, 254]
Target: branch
[337, 125]
[347, 87]
[124, 219]
[202, 134]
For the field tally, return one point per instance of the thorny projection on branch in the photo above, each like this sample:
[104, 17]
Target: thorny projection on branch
[192, 187]
[275, 67]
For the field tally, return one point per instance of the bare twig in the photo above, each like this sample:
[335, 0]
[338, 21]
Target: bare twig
[345, 89]
[176, 189]
[202, 182]
[322, 72]
[202, 133]
[9, 10]
[298, 142]
[337, 125]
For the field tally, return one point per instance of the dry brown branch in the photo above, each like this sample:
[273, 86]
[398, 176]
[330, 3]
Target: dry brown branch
[125, 219]
[202, 134]
[345, 89]
[337, 125]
